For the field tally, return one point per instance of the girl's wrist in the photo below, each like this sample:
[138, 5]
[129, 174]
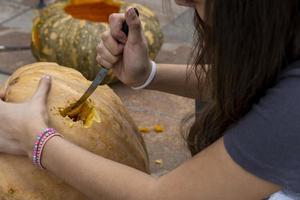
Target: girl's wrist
[40, 143]
[33, 131]
[147, 78]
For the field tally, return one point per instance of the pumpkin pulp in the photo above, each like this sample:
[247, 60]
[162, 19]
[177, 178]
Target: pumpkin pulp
[93, 10]
[86, 113]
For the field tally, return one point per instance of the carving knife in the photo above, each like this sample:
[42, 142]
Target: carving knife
[98, 79]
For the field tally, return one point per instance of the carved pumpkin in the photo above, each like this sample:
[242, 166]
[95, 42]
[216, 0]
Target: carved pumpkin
[68, 33]
[101, 126]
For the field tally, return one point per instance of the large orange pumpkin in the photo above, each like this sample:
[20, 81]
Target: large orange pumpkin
[68, 32]
[101, 126]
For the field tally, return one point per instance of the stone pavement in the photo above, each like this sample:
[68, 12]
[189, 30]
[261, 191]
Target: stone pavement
[148, 108]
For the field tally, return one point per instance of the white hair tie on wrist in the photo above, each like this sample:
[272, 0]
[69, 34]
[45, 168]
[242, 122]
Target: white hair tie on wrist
[150, 78]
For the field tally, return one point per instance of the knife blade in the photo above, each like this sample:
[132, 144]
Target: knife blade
[98, 79]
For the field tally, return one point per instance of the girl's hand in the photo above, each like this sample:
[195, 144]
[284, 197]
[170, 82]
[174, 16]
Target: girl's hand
[21, 122]
[11, 146]
[126, 56]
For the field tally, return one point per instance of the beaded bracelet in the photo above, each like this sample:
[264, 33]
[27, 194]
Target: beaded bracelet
[39, 145]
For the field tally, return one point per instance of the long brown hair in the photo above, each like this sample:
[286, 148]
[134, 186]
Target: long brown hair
[247, 45]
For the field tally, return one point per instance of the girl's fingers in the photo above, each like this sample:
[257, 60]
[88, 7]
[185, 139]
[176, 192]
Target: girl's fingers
[115, 23]
[41, 94]
[11, 147]
[103, 62]
[113, 46]
[106, 54]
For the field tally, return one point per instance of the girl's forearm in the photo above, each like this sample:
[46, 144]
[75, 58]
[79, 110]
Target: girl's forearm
[97, 177]
[199, 178]
[176, 79]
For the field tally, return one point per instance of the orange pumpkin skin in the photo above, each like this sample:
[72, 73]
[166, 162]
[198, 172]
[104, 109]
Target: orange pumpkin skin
[112, 133]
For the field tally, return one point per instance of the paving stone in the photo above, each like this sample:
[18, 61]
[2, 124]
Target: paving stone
[165, 10]
[168, 146]
[13, 37]
[3, 78]
[180, 29]
[10, 61]
[13, 60]
[23, 22]
[21, 1]
[31, 3]
[149, 108]
[157, 103]
[176, 53]
[10, 9]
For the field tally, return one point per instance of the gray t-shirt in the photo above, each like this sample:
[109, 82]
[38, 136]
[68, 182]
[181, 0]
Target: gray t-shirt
[266, 141]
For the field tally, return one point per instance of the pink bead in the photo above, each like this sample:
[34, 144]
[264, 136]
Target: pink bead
[40, 143]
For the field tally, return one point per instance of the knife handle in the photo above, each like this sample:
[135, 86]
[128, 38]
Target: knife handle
[125, 28]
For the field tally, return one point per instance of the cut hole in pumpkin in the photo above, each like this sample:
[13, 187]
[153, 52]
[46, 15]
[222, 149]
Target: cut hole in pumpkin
[93, 10]
[86, 113]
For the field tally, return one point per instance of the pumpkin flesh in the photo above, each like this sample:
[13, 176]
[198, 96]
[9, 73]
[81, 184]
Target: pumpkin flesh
[86, 113]
[93, 10]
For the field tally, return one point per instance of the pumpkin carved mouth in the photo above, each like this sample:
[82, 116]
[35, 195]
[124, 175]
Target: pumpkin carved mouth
[85, 113]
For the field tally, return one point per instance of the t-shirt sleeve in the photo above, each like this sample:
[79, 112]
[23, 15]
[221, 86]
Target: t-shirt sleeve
[266, 141]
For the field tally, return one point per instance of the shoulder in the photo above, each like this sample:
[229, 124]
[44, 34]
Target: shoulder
[281, 103]
[266, 140]
[289, 79]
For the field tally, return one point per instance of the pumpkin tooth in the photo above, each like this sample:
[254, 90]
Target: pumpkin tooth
[93, 116]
